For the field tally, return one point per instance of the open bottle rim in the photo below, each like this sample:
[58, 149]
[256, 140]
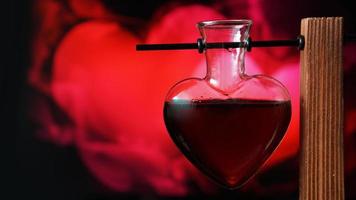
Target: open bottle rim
[224, 23]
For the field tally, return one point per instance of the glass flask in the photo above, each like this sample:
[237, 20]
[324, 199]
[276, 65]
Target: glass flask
[228, 123]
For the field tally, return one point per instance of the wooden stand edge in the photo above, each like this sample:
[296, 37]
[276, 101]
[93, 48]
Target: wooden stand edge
[321, 110]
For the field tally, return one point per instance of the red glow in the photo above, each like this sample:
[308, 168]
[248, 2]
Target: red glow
[88, 8]
[115, 95]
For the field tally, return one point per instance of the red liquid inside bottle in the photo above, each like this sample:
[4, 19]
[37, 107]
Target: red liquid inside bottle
[230, 139]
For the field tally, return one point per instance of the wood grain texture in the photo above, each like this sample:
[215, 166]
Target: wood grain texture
[321, 164]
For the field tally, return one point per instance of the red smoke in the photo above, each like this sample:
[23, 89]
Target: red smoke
[114, 95]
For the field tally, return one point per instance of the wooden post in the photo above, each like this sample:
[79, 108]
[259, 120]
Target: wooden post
[321, 164]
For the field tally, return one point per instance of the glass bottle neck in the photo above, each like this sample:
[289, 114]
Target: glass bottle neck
[225, 67]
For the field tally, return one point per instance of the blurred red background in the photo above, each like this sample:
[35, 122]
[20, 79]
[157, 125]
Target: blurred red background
[95, 104]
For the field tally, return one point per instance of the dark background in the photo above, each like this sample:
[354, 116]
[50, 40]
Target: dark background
[45, 171]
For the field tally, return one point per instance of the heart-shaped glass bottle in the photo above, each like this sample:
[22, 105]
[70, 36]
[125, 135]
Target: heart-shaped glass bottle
[228, 123]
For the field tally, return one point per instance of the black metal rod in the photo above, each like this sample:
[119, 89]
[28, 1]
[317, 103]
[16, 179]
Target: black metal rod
[201, 45]
[183, 46]
[224, 45]
[248, 44]
[177, 46]
[274, 43]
